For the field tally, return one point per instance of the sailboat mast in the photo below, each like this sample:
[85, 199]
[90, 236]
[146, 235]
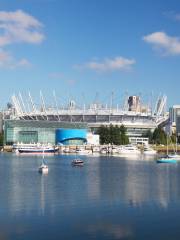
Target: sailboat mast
[167, 145]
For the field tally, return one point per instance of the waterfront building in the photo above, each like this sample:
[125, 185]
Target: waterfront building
[173, 113]
[31, 131]
[139, 140]
[178, 122]
[39, 123]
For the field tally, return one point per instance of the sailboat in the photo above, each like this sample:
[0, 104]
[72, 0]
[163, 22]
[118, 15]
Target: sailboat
[43, 168]
[175, 155]
[167, 159]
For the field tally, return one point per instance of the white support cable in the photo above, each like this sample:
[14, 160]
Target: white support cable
[22, 102]
[55, 99]
[43, 104]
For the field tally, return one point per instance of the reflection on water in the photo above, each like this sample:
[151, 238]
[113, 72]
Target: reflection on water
[108, 198]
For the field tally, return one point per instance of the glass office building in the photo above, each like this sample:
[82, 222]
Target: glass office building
[27, 131]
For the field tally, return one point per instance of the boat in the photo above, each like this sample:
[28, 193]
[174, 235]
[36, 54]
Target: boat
[77, 162]
[69, 150]
[129, 149]
[35, 148]
[175, 156]
[82, 151]
[149, 151]
[43, 167]
[166, 160]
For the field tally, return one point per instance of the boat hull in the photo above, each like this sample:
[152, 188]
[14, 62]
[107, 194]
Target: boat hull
[166, 161]
[37, 151]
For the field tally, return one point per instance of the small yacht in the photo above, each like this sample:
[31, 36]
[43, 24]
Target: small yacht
[77, 162]
[69, 150]
[82, 151]
[149, 151]
[129, 149]
[175, 156]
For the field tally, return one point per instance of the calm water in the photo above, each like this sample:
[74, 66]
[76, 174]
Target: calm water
[108, 198]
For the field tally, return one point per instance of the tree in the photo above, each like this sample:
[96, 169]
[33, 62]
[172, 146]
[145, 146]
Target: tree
[159, 136]
[149, 135]
[124, 137]
[113, 134]
[1, 139]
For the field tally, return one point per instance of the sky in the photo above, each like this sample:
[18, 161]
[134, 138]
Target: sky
[87, 50]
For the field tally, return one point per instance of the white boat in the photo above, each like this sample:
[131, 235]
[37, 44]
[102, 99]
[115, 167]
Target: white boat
[114, 150]
[35, 148]
[43, 168]
[174, 156]
[149, 151]
[82, 151]
[77, 162]
[129, 149]
[69, 150]
[95, 149]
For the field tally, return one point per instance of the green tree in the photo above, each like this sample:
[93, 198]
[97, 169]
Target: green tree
[113, 134]
[1, 139]
[159, 136]
[124, 137]
[149, 135]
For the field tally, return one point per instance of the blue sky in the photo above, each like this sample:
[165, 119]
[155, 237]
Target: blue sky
[79, 48]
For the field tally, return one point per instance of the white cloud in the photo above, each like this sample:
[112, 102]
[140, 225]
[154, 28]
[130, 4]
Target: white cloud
[117, 63]
[8, 61]
[166, 44]
[19, 26]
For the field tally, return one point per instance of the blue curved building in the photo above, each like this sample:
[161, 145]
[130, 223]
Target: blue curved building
[71, 136]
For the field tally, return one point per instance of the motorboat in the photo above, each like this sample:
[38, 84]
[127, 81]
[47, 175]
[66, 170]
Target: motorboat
[114, 150]
[129, 149]
[77, 162]
[95, 149]
[69, 150]
[82, 151]
[149, 151]
[175, 156]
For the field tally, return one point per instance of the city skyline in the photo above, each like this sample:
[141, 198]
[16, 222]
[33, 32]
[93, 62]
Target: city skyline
[80, 48]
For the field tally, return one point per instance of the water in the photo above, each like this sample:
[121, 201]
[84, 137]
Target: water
[108, 198]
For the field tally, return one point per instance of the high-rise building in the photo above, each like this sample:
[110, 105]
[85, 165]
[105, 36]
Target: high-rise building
[134, 103]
